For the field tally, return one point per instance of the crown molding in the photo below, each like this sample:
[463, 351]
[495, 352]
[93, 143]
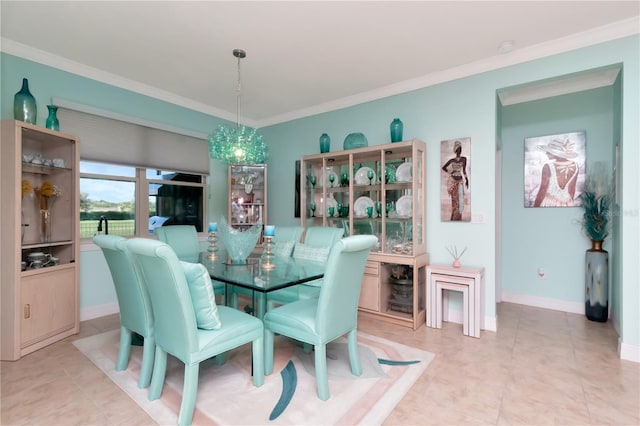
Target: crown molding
[45, 58]
[594, 36]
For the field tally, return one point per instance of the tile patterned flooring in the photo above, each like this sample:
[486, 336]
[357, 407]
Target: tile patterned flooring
[541, 367]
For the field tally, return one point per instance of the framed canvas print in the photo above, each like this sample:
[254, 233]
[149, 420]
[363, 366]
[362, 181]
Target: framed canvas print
[554, 169]
[455, 183]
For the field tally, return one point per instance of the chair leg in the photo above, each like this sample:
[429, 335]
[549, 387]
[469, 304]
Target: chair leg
[125, 349]
[189, 394]
[148, 354]
[159, 371]
[322, 380]
[354, 356]
[268, 352]
[257, 356]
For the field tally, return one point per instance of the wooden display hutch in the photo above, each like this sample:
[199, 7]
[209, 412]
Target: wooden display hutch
[247, 196]
[378, 190]
[39, 304]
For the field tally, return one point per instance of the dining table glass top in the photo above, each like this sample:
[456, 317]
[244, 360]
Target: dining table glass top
[287, 272]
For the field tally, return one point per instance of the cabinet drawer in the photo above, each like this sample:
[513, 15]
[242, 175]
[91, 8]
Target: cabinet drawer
[48, 305]
[372, 268]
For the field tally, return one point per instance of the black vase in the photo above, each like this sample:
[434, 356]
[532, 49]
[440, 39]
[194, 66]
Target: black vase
[597, 283]
[24, 104]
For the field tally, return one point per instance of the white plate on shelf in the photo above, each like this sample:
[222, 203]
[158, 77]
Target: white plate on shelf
[322, 207]
[336, 179]
[404, 206]
[360, 207]
[362, 178]
[403, 172]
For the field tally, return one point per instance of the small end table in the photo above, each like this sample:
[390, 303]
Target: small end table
[469, 281]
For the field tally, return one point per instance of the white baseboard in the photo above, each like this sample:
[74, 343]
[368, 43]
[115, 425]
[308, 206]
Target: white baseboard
[543, 302]
[628, 352]
[99, 311]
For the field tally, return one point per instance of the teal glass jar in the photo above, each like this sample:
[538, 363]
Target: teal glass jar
[52, 120]
[24, 104]
[396, 127]
[325, 143]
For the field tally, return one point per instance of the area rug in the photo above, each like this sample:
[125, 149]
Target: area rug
[226, 395]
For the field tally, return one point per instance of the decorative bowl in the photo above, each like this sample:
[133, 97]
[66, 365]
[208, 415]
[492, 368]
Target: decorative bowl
[355, 140]
[239, 244]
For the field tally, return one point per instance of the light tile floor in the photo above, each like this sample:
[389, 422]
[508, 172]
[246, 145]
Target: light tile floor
[541, 367]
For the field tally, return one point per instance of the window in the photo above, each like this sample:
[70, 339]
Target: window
[136, 200]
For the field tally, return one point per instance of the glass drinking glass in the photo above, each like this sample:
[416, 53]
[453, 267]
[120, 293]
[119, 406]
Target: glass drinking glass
[379, 208]
[344, 179]
[370, 175]
[332, 177]
[370, 211]
[331, 211]
[387, 208]
[312, 206]
[313, 181]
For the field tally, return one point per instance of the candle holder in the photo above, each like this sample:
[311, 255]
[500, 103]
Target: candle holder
[212, 249]
[267, 256]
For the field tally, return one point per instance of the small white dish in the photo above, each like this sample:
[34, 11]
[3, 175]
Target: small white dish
[404, 206]
[360, 207]
[58, 162]
[362, 176]
[403, 172]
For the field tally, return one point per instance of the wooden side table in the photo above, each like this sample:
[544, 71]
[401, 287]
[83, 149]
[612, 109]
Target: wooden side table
[470, 282]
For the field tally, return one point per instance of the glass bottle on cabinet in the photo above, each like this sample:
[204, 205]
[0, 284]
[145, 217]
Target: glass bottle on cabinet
[40, 210]
[247, 195]
[376, 190]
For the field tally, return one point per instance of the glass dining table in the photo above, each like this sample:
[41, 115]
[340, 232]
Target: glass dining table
[260, 282]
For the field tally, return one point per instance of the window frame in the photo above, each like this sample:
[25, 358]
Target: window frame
[141, 194]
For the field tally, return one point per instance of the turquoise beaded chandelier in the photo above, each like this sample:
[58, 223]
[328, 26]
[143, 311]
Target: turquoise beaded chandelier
[239, 144]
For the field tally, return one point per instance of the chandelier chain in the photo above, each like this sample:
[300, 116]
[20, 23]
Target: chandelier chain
[238, 93]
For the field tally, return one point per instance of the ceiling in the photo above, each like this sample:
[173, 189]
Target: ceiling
[303, 57]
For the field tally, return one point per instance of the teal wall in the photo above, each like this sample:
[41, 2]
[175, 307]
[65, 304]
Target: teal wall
[550, 238]
[462, 108]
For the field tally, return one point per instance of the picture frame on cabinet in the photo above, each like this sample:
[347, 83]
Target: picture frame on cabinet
[554, 169]
[455, 180]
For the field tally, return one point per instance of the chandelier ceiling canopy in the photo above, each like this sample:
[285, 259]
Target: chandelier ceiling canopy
[238, 144]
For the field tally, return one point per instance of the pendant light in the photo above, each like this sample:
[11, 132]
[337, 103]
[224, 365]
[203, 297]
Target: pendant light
[239, 144]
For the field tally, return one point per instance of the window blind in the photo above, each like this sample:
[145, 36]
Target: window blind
[114, 141]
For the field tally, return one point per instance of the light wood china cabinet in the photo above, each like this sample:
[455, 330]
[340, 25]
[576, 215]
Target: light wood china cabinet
[38, 251]
[378, 190]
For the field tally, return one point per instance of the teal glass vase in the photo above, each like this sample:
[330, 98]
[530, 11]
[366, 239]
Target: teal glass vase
[325, 143]
[396, 127]
[24, 104]
[52, 120]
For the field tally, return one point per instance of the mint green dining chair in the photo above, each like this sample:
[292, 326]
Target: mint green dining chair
[183, 239]
[136, 315]
[318, 241]
[322, 236]
[178, 302]
[333, 314]
[288, 233]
